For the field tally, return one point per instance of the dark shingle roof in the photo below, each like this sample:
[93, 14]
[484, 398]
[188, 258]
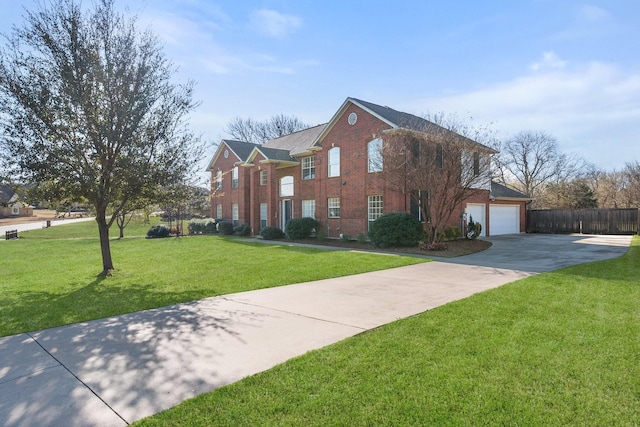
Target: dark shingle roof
[6, 193]
[276, 154]
[500, 191]
[241, 149]
[407, 121]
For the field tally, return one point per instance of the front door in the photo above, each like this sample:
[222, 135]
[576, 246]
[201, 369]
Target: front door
[285, 213]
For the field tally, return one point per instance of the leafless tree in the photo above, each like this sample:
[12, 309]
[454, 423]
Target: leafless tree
[531, 160]
[256, 132]
[437, 165]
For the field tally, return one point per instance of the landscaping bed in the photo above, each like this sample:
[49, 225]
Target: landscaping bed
[454, 248]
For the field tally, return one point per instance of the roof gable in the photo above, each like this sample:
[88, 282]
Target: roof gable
[241, 150]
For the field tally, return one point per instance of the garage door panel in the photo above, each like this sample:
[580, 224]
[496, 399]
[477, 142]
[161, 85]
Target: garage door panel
[504, 219]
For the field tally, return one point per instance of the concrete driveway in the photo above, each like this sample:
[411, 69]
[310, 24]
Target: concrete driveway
[537, 253]
[114, 371]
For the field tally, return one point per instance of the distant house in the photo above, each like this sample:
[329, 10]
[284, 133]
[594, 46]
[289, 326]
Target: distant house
[329, 172]
[10, 204]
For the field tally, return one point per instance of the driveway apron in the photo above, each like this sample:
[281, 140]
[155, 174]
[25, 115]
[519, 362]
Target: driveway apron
[114, 371]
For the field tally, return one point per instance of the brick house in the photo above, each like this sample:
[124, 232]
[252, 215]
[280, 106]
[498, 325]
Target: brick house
[332, 172]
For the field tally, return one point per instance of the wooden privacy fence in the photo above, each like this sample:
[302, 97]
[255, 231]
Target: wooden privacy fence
[586, 221]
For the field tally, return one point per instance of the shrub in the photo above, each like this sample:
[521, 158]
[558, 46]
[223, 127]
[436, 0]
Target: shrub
[473, 229]
[271, 233]
[452, 233]
[396, 229]
[202, 226]
[345, 237]
[242, 230]
[210, 226]
[225, 228]
[362, 238]
[301, 228]
[158, 231]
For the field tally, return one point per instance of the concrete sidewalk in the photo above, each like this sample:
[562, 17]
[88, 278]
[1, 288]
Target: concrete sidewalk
[114, 371]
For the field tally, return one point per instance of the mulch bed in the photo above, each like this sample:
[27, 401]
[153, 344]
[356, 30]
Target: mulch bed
[453, 248]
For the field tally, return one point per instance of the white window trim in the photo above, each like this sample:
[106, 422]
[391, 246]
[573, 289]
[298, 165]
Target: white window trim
[333, 205]
[286, 185]
[310, 204]
[374, 155]
[309, 164]
[333, 162]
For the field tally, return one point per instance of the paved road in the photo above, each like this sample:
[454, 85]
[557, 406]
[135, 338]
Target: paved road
[110, 372]
[37, 225]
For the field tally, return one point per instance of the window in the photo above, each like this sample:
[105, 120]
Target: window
[439, 156]
[286, 186]
[374, 208]
[309, 167]
[476, 164]
[309, 209]
[263, 177]
[333, 204]
[219, 180]
[234, 178]
[263, 215]
[218, 211]
[234, 214]
[334, 162]
[374, 151]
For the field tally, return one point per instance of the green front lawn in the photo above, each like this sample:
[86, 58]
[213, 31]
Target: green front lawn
[556, 349]
[48, 277]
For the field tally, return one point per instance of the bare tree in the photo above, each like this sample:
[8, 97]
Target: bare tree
[437, 165]
[249, 130]
[88, 109]
[631, 185]
[532, 160]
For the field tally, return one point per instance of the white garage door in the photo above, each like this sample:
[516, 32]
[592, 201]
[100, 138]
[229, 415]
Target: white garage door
[477, 212]
[504, 219]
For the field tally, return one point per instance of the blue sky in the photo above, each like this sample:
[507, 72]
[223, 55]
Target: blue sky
[566, 67]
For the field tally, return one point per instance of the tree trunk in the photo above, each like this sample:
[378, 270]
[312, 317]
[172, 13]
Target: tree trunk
[105, 247]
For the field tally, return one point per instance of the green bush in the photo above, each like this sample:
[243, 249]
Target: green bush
[271, 233]
[225, 228]
[242, 230]
[158, 231]
[301, 228]
[396, 230]
[452, 233]
[203, 226]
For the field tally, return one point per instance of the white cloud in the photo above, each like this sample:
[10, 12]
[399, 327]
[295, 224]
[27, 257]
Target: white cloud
[274, 24]
[593, 109]
[549, 60]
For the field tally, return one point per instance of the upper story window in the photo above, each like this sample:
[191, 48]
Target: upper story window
[476, 164]
[286, 186]
[234, 178]
[439, 156]
[374, 152]
[263, 177]
[218, 185]
[334, 162]
[309, 167]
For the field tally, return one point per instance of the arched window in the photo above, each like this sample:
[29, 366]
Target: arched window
[374, 152]
[334, 162]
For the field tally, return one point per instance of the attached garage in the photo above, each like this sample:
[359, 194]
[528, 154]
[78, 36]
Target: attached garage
[504, 219]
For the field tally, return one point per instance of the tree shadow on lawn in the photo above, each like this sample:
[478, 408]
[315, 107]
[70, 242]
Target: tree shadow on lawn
[35, 310]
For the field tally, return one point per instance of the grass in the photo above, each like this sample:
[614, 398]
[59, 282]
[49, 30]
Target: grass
[49, 275]
[560, 348]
